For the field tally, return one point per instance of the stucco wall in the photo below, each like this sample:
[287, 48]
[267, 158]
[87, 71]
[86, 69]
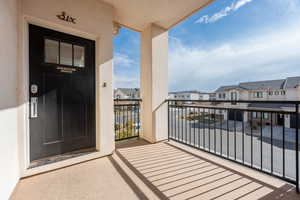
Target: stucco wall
[9, 171]
[154, 83]
[293, 94]
[94, 20]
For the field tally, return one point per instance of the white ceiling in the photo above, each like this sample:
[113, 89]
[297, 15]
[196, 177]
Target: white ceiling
[137, 14]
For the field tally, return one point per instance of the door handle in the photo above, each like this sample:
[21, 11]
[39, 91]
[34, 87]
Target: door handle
[34, 108]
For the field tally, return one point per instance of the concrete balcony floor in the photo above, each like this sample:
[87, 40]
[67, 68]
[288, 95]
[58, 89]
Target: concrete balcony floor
[166, 170]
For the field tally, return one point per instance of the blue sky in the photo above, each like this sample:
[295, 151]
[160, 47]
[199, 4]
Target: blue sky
[228, 42]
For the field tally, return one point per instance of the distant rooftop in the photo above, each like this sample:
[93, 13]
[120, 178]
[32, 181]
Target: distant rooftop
[279, 84]
[189, 91]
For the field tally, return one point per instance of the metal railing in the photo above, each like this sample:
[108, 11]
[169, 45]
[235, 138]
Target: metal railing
[263, 135]
[127, 118]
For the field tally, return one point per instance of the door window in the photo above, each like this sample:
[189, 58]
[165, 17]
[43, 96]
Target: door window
[51, 51]
[78, 56]
[63, 53]
[66, 55]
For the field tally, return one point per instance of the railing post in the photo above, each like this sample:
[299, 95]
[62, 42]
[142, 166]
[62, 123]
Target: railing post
[138, 118]
[297, 147]
[168, 120]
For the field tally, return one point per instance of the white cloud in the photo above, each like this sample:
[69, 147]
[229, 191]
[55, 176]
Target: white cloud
[267, 56]
[223, 13]
[122, 60]
[126, 73]
[126, 81]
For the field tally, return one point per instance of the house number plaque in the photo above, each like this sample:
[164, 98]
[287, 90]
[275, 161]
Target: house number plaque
[65, 17]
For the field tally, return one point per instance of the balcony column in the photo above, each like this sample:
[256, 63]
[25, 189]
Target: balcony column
[154, 83]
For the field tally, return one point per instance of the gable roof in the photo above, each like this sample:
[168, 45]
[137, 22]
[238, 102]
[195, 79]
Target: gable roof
[188, 91]
[279, 84]
[292, 82]
[263, 85]
[129, 91]
[227, 88]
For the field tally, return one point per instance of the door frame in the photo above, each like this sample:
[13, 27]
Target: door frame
[23, 116]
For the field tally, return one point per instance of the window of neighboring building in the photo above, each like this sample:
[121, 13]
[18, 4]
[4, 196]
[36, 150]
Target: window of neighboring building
[254, 114]
[282, 92]
[270, 93]
[276, 92]
[220, 95]
[266, 115]
[258, 94]
[233, 96]
[224, 95]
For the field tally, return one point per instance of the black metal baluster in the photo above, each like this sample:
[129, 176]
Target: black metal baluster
[283, 146]
[123, 120]
[190, 128]
[182, 108]
[234, 134]
[272, 143]
[194, 125]
[243, 137]
[120, 120]
[227, 133]
[186, 125]
[209, 120]
[169, 123]
[204, 127]
[138, 118]
[115, 125]
[251, 133]
[127, 121]
[297, 147]
[177, 122]
[221, 133]
[215, 137]
[133, 119]
[261, 140]
[199, 128]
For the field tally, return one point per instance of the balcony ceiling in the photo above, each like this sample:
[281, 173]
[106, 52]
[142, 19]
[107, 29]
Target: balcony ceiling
[137, 14]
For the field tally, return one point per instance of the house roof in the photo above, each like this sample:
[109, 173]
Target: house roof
[227, 88]
[189, 91]
[290, 82]
[129, 91]
[263, 85]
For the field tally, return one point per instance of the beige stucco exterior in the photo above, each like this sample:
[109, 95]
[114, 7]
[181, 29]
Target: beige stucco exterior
[95, 21]
[154, 83]
[9, 167]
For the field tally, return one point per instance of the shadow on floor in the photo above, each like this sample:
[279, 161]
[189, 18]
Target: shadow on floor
[174, 173]
[131, 143]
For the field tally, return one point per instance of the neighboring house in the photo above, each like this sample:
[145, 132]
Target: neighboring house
[127, 93]
[212, 96]
[271, 90]
[189, 95]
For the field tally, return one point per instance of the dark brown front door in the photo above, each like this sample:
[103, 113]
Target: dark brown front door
[62, 92]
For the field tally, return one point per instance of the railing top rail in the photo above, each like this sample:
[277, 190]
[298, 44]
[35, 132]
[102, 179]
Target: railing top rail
[265, 110]
[236, 101]
[123, 105]
[127, 99]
